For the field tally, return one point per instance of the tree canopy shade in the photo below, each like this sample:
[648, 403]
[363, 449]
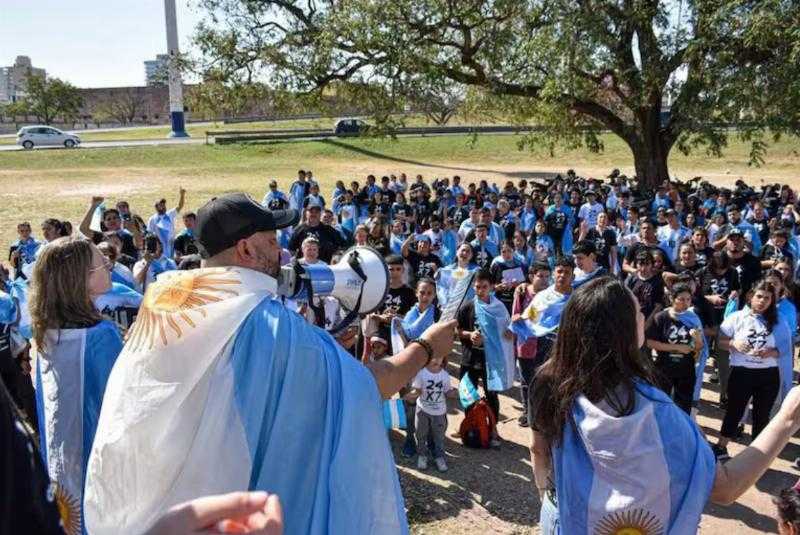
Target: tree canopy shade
[658, 74]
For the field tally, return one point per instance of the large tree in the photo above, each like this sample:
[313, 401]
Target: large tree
[575, 67]
[48, 98]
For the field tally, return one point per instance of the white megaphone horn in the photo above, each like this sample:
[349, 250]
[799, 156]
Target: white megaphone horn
[359, 281]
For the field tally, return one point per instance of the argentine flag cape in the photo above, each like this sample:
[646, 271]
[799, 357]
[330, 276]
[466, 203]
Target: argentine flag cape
[692, 321]
[71, 374]
[651, 471]
[493, 319]
[787, 312]
[542, 315]
[221, 388]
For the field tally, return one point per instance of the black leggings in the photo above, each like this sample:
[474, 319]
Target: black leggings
[476, 375]
[676, 378]
[761, 384]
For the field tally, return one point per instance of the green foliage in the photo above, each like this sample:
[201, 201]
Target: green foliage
[48, 98]
[574, 68]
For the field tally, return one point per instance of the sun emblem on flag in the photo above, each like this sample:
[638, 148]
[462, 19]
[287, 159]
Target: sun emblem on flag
[175, 303]
[631, 522]
[69, 510]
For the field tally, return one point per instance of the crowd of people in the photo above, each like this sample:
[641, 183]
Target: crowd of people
[603, 302]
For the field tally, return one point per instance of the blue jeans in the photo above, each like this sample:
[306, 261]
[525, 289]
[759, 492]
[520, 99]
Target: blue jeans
[548, 517]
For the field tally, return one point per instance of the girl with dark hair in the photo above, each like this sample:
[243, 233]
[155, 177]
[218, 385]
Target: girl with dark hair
[756, 340]
[719, 283]
[676, 335]
[600, 429]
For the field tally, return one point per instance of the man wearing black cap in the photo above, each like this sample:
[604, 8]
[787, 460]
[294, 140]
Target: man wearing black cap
[329, 239]
[245, 392]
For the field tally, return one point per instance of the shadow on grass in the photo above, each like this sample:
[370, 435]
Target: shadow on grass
[382, 156]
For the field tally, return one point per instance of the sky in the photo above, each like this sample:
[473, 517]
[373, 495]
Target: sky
[91, 43]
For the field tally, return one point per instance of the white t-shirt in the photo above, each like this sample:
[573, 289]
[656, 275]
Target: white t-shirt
[744, 325]
[433, 387]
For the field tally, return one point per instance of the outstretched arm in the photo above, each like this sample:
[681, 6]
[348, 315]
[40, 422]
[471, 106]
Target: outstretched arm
[86, 222]
[393, 373]
[181, 199]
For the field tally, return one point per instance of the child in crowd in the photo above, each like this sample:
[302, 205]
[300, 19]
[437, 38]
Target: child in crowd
[379, 348]
[788, 504]
[431, 388]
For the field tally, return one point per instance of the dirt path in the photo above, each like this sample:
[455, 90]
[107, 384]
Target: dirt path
[492, 492]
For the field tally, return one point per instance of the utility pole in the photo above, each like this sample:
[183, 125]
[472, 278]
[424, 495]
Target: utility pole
[175, 85]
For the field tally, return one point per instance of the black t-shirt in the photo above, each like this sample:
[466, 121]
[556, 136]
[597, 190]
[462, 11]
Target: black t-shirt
[421, 265]
[422, 211]
[458, 214]
[704, 310]
[704, 256]
[505, 296]
[649, 292]
[667, 330]
[721, 285]
[128, 246]
[749, 269]
[329, 240]
[402, 208]
[472, 357]
[28, 504]
[603, 242]
[401, 299]
[770, 252]
[556, 222]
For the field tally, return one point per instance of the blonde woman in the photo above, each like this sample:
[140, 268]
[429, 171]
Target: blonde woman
[75, 351]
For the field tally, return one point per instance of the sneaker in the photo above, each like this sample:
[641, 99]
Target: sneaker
[422, 463]
[523, 420]
[714, 378]
[720, 452]
[495, 443]
[441, 464]
[409, 448]
[796, 463]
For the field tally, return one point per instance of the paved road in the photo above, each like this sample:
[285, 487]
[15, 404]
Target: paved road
[110, 144]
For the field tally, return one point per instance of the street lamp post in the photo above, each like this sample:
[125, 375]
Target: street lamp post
[175, 85]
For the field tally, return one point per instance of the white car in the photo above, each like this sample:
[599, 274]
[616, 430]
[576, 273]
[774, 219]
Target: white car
[41, 135]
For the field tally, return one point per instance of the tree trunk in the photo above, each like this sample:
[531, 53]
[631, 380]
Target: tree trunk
[650, 161]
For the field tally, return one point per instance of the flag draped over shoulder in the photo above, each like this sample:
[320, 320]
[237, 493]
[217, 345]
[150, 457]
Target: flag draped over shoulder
[650, 472]
[71, 375]
[493, 319]
[221, 388]
[691, 320]
[411, 326]
[542, 315]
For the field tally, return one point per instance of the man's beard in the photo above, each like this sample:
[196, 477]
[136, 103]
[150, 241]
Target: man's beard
[271, 267]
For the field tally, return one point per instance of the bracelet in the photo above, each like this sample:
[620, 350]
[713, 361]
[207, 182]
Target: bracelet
[426, 346]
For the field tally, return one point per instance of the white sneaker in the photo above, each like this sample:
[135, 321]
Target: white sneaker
[441, 464]
[422, 463]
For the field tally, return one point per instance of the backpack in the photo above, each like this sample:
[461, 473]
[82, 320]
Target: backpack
[477, 426]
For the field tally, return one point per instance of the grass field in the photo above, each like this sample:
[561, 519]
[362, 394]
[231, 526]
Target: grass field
[55, 183]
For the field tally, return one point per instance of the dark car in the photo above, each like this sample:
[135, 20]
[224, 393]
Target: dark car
[350, 127]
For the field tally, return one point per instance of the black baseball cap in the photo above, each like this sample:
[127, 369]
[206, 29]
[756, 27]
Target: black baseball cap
[226, 219]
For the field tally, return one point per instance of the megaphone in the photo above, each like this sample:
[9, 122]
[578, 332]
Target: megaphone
[359, 281]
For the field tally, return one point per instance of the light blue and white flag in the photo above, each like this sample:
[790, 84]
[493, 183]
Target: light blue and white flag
[650, 471]
[221, 388]
[692, 321]
[71, 374]
[542, 315]
[18, 289]
[582, 278]
[446, 280]
[467, 393]
[449, 247]
[493, 320]
[730, 307]
[411, 326]
[394, 414]
[123, 275]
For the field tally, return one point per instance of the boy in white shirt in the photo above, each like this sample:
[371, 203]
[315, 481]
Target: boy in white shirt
[431, 388]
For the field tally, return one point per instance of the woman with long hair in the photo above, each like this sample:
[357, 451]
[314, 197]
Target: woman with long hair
[757, 341]
[601, 429]
[75, 351]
